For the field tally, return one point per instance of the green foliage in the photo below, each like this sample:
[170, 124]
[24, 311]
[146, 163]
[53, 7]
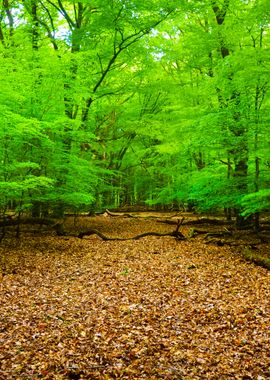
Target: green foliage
[256, 202]
[106, 104]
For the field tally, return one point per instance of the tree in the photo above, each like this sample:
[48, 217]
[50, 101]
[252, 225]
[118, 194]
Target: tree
[113, 103]
[59, 59]
[219, 95]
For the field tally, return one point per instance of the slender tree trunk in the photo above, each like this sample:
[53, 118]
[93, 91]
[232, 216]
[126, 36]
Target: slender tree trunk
[228, 210]
[257, 173]
[257, 160]
[240, 151]
[35, 25]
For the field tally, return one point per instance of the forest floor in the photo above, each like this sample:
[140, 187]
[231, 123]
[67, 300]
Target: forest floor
[154, 308]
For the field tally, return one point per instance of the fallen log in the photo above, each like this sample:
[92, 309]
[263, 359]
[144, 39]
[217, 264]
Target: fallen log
[16, 221]
[194, 232]
[126, 215]
[98, 233]
[215, 222]
[117, 214]
[176, 234]
[58, 227]
[167, 221]
[218, 234]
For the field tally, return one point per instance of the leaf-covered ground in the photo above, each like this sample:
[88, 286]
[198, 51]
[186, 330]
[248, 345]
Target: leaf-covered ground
[154, 308]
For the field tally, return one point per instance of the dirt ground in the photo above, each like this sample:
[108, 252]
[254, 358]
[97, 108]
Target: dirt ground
[153, 308]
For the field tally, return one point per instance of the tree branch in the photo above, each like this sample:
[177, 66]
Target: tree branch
[9, 16]
[60, 8]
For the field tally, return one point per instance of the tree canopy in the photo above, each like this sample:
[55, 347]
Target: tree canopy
[113, 103]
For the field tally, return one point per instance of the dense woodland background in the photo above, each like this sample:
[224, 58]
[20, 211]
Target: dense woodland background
[115, 103]
[129, 105]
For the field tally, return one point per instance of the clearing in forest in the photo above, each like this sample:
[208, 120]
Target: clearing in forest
[154, 308]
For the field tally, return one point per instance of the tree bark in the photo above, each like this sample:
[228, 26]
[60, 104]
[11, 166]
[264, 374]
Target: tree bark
[239, 132]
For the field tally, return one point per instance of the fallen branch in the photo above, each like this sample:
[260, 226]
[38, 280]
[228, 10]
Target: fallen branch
[176, 234]
[167, 221]
[126, 215]
[99, 234]
[117, 214]
[218, 234]
[215, 222]
[218, 242]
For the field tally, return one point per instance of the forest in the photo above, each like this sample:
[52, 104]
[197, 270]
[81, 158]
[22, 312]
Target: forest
[134, 189]
[106, 104]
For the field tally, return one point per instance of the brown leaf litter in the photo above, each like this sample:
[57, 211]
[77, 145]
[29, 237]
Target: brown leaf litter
[154, 308]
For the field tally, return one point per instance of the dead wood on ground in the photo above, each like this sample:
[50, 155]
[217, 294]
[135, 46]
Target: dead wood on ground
[127, 215]
[226, 232]
[176, 234]
[117, 214]
[55, 225]
[215, 222]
